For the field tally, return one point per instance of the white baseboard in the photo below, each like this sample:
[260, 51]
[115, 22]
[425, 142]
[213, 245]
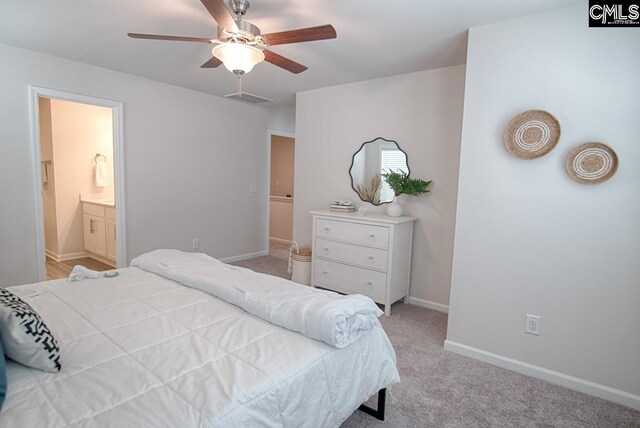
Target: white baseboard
[71, 256]
[571, 382]
[51, 254]
[244, 256]
[429, 304]
[65, 257]
[280, 241]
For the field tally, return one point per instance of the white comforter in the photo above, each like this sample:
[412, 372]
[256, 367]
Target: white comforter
[139, 350]
[318, 314]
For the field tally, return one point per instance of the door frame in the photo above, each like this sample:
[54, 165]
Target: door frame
[271, 133]
[117, 108]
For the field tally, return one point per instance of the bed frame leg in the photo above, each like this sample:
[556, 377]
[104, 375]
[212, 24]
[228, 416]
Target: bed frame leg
[379, 412]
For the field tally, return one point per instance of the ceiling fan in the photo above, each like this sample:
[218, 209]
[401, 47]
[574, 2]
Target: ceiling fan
[240, 45]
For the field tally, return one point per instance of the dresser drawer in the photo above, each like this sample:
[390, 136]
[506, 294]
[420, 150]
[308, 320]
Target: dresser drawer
[367, 257]
[350, 279]
[375, 236]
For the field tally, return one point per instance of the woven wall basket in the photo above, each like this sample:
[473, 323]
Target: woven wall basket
[532, 134]
[592, 163]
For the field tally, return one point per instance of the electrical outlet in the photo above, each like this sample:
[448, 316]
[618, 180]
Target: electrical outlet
[532, 324]
[253, 188]
[196, 244]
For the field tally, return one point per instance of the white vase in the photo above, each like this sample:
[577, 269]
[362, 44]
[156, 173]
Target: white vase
[394, 209]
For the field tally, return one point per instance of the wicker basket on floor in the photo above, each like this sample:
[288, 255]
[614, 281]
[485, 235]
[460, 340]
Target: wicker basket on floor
[302, 255]
[300, 261]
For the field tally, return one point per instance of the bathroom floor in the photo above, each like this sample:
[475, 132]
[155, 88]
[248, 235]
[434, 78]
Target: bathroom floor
[57, 270]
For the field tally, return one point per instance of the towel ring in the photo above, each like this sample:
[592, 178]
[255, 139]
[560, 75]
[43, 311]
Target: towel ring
[98, 156]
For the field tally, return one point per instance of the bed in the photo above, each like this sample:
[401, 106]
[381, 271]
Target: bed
[142, 350]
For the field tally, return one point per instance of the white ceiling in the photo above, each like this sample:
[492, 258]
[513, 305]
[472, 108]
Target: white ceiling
[376, 38]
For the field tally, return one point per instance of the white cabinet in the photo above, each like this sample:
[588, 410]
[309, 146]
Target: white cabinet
[99, 230]
[110, 221]
[94, 234]
[369, 255]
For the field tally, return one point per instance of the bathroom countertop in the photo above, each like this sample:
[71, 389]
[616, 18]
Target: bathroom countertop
[104, 202]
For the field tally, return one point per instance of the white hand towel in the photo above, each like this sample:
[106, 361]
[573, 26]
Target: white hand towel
[102, 175]
[80, 272]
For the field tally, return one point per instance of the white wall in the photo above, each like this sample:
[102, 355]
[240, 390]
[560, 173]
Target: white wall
[528, 238]
[423, 113]
[281, 219]
[189, 160]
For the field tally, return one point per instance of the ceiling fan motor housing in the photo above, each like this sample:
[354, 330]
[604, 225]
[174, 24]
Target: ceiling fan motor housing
[239, 6]
[247, 33]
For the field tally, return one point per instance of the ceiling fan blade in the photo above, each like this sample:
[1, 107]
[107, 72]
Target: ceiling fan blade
[283, 62]
[218, 9]
[212, 63]
[322, 32]
[172, 38]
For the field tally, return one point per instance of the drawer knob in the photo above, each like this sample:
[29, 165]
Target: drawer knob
[372, 237]
[370, 284]
[326, 229]
[325, 273]
[326, 250]
[371, 259]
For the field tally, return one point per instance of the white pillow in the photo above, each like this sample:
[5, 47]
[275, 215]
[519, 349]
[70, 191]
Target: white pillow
[26, 338]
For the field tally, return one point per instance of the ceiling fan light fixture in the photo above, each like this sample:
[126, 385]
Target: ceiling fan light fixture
[238, 58]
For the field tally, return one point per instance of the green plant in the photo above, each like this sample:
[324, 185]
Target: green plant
[401, 184]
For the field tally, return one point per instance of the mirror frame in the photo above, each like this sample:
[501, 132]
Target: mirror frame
[353, 158]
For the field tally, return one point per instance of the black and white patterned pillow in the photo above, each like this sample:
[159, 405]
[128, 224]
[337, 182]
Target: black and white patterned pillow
[26, 338]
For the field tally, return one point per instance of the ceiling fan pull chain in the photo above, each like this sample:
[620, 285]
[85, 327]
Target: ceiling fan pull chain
[239, 85]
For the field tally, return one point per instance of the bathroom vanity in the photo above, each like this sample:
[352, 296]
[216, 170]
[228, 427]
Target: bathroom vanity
[99, 223]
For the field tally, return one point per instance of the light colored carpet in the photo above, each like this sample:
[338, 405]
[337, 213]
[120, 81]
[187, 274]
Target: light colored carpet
[443, 389]
[278, 250]
[266, 264]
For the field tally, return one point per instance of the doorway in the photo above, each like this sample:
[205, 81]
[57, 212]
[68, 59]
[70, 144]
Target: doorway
[281, 193]
[78, 180]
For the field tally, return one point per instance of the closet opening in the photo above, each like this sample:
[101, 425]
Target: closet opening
[281, 193]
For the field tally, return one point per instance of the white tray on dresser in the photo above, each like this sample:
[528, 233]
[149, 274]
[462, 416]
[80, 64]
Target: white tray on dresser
[369, 255]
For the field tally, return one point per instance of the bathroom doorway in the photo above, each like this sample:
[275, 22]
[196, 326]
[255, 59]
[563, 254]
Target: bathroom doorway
[77, 150]
[281, 193]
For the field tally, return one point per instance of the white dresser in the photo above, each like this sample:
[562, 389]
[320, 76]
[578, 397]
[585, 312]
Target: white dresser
[369, 255]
